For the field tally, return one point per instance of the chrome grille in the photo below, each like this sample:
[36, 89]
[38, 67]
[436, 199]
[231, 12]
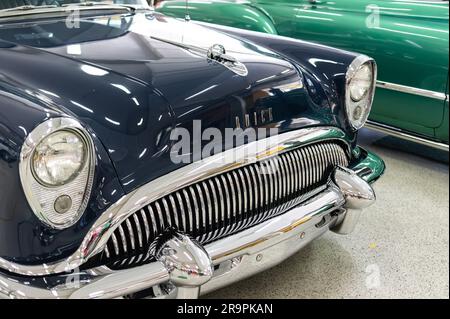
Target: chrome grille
[226, 203]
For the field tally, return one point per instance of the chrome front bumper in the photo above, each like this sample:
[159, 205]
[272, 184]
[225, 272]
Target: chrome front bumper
[335, 206]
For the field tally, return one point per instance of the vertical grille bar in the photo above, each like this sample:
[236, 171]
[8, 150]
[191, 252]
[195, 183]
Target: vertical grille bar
[156, 230]
[221, 210]
[175, 212]
[228, 203]
[209, 214]
[215, 224]
[131, 234]
[139, 230]
[188, 212]
[196, 212]
[123, 239]
[240, 203]
[234, 207]
[202, 210]
[184, 226]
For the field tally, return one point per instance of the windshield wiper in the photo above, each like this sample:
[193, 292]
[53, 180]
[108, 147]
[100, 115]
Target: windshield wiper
[28, 7]
[98, 3]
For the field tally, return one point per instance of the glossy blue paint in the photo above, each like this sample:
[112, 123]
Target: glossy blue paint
[125, 80]
[24, 238]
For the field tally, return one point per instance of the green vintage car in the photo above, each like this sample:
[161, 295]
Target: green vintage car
[408, 39]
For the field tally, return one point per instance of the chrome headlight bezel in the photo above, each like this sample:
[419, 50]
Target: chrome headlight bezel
[42, 197]
[367, 100]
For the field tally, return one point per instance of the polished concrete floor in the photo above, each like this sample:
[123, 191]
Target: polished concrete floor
[399, 250]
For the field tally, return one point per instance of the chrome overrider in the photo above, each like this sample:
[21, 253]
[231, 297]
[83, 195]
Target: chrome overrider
[187, 262]
[186, 269]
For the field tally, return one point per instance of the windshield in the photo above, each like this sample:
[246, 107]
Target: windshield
[30, 4]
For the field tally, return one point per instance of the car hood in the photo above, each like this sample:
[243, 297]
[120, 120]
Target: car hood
[133, 78]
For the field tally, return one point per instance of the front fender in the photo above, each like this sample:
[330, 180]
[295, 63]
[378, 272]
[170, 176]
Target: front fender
[239, 15]
[23, 238]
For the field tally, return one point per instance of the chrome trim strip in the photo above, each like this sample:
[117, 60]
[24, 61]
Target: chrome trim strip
[96, 239]
[412, 90]
[382, 128]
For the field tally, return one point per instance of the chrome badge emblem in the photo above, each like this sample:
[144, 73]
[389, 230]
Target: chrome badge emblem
[257, 118]
[218, 54]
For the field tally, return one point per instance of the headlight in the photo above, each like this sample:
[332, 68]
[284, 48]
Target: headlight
[59, 158]
[360, 80]
[56, 171]
[361, 83]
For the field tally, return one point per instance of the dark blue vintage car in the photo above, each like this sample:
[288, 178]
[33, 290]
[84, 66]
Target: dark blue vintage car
[143, 156]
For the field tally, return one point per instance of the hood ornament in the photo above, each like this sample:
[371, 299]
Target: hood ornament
[218, 53]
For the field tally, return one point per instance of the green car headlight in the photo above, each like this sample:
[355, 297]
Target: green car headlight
[361, 83]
